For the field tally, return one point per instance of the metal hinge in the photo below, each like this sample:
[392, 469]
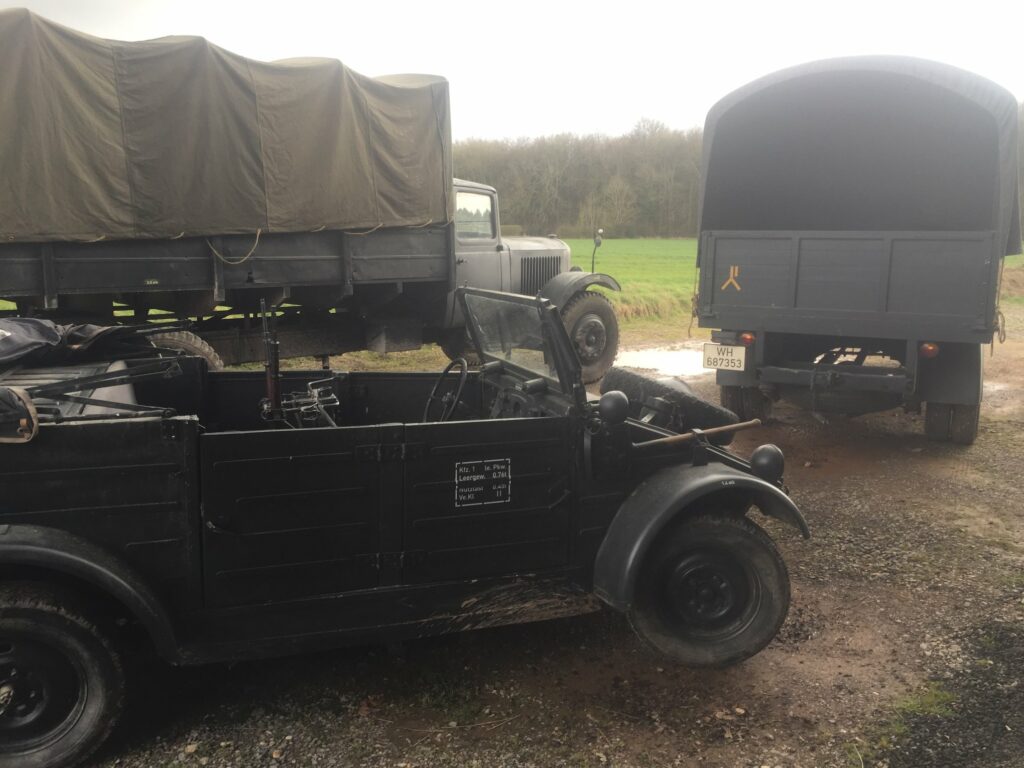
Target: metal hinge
[400, 559]
[389, 452]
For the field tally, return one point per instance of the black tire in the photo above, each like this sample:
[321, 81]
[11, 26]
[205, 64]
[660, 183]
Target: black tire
[746, 402]
[963, 426]
[594, 331]
[712, 592]
[47, 644]
[731, 398]
[937, 418]
[456, 343]
[191, 344]
[691, 410]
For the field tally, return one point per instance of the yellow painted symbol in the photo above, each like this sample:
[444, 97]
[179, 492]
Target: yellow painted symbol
[734, 272]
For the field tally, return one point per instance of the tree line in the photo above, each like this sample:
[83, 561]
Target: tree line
[643, 184]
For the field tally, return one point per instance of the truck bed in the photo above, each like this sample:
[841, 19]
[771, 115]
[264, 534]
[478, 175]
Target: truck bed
[925, 285]
[331, 260]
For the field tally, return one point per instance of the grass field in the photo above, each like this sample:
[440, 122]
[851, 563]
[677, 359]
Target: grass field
[657, 276]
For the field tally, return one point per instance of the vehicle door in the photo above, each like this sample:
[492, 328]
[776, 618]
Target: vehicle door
[291, 514]
[480, 260]
[494, 497]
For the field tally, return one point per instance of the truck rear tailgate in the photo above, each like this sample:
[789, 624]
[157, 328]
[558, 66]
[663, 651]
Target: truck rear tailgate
[922, 285]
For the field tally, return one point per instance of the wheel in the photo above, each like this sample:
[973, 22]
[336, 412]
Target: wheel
[937, 418]
[191, 344]
[712, 592]
[456, 343]
[963, 426]
[61, 682]
[746, 402]
[731, 398]
[594, 332]
[449, 400]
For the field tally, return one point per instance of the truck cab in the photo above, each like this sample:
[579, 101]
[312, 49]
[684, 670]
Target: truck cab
[531, 266]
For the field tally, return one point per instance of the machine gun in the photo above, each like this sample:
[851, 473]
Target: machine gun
[313, 408]
[270, 407]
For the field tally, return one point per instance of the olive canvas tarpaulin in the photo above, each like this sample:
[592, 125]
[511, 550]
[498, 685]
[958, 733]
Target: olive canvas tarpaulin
[175, 137]
[871, 143]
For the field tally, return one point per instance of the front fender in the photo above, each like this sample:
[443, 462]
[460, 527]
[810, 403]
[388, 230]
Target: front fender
[563, 286]
[659, 500]
[62, 552]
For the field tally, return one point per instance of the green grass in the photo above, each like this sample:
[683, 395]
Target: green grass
[657, 276]
[931, 701]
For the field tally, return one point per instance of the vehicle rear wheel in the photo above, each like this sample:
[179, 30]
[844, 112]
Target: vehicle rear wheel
[61, 682]
[712, 592]
[594, 332]
[963, 426]
[937, 418]
[190, 344]
[746, 402]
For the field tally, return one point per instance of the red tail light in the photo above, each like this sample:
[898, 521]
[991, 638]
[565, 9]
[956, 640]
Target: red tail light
[929, 349]
[747, 339]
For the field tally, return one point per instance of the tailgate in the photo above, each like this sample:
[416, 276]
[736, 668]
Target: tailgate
[922, 285]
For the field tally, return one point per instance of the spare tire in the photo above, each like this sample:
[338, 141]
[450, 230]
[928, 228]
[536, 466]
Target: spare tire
[686, 410]
[594, 332]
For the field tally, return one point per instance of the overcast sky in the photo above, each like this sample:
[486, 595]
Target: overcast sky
[537, 68]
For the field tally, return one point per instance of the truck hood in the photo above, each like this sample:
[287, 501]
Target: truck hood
[536, 246]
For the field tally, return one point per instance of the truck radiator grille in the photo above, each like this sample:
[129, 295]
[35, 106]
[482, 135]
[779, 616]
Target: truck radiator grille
[535, 271]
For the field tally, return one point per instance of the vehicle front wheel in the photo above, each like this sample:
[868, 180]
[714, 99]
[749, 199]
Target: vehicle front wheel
[61, 682]
[594, 332]
[712, 592]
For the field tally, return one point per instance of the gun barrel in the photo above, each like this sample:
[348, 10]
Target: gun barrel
[272, 366]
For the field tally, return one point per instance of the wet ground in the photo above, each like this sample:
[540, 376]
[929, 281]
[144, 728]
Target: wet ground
[684, 360]
[904, 645]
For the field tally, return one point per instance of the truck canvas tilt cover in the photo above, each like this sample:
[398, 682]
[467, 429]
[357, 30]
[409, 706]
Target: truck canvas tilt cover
[184, 182]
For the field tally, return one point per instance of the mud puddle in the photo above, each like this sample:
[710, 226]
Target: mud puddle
[665, 361]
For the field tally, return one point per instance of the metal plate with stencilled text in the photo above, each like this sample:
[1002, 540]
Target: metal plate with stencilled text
[483, 482]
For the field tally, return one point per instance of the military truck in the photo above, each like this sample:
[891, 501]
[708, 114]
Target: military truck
[855, 214]
[231, 514]
[171, 180]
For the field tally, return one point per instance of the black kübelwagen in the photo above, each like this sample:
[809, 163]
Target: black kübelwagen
[230, 524]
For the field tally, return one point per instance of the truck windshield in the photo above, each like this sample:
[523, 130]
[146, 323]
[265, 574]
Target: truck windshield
[512, 332]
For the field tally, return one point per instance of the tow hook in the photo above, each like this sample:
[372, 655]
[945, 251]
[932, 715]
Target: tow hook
[6, 697]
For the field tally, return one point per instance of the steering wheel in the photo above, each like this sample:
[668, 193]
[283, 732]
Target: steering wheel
[449, 400]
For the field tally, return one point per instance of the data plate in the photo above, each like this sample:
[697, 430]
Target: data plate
[724, 357]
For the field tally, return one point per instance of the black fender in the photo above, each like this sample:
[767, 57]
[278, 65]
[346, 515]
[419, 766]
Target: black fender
[54, 550]
[658, 501]
[563, 286]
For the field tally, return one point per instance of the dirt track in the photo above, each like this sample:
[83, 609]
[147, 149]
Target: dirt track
[904, 646]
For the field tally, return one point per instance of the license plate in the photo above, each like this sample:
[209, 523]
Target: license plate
[725, 357]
